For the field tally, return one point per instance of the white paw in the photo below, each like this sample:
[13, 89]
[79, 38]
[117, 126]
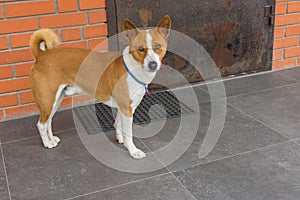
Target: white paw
[119, 138]
[138, 154]
[56, 139]
[52, 143]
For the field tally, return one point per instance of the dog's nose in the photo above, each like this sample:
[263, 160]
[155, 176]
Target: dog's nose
[152, 65]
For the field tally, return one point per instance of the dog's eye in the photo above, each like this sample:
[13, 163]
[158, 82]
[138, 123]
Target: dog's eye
[141, 48]
[157, 46]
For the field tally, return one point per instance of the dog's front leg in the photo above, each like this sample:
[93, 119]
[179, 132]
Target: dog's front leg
[128, 138]
[118, 127]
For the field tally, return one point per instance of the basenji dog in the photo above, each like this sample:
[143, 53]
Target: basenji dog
[118, 79]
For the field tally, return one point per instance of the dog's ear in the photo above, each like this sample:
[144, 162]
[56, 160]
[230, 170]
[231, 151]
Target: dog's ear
[130, 29]
[164, 26]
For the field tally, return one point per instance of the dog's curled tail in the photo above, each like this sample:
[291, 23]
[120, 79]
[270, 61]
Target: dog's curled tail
[43, 40]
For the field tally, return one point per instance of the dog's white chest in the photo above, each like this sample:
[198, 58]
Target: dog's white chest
[136, 92]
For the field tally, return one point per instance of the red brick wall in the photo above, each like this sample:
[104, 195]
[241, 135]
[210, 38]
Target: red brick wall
[79, 23]
[286, 51]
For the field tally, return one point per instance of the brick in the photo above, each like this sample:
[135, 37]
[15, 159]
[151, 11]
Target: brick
[8, 100]
[15, 56]
[67, 101]
[78, 44]
[1, 115]
[99, 44]
[287, 19]
[29, 8]
[20, 40]
[88, 4]
[62, 20]
[18, 25]
[71, 34]
[277, 1]
[293, 7]
[6, 72]
[1, 14]
[286, 42]
[280, 8]
[26, 97]
[18, 111]
[291, 52]
[67, 5]
[280, 64]
[278, 32]
[95, 31]
[23, 69]
[3, 42]
[82, 99]
[76, 100]
[97, 16]
[292, 30]
[277, 54]
[14, 85]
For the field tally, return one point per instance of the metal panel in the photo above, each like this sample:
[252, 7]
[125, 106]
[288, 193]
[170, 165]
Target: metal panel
[237, 34]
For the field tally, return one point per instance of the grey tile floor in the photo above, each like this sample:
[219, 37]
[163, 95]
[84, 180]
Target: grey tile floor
[256, 157]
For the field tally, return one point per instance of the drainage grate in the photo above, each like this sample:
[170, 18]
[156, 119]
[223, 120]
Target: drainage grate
[146, 112]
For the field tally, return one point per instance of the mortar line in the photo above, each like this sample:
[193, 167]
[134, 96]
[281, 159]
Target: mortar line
[81, 33]
[203, 83]
[87, 18]
[120, 185]
[54, 28]
[220, 98]
[59, 30]
[8, 93]
[172, 171]
[254, 92]
[56, 7]
[19, 99]
[13, 2]
[8, 41]
[15, 49]
[37, 113]
[180, 183]
[290, 77]
[44, 15]
[183, 186]
[5, 172]
[259, 121]
[77, 5]
[39, 22]
[4, 114]
[35, 136]
[298, 143]
[3, 11]
[16, 63]
[230, 156]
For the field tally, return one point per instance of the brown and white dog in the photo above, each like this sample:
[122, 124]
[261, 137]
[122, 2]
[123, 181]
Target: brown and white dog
[123, 82]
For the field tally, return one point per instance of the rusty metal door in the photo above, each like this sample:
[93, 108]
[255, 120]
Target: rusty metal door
[237, 34]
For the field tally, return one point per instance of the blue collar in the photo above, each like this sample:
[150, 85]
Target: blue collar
[136, 79]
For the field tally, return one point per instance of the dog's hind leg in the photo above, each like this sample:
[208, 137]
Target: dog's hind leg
[58, 99]
[48, 104]
[118, 127]
[43, 126]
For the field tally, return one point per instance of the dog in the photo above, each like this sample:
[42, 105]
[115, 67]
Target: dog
[59, 72]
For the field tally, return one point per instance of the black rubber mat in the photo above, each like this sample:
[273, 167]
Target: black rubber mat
[156, 107]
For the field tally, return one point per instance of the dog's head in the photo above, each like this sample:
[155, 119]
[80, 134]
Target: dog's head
[148, 47]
